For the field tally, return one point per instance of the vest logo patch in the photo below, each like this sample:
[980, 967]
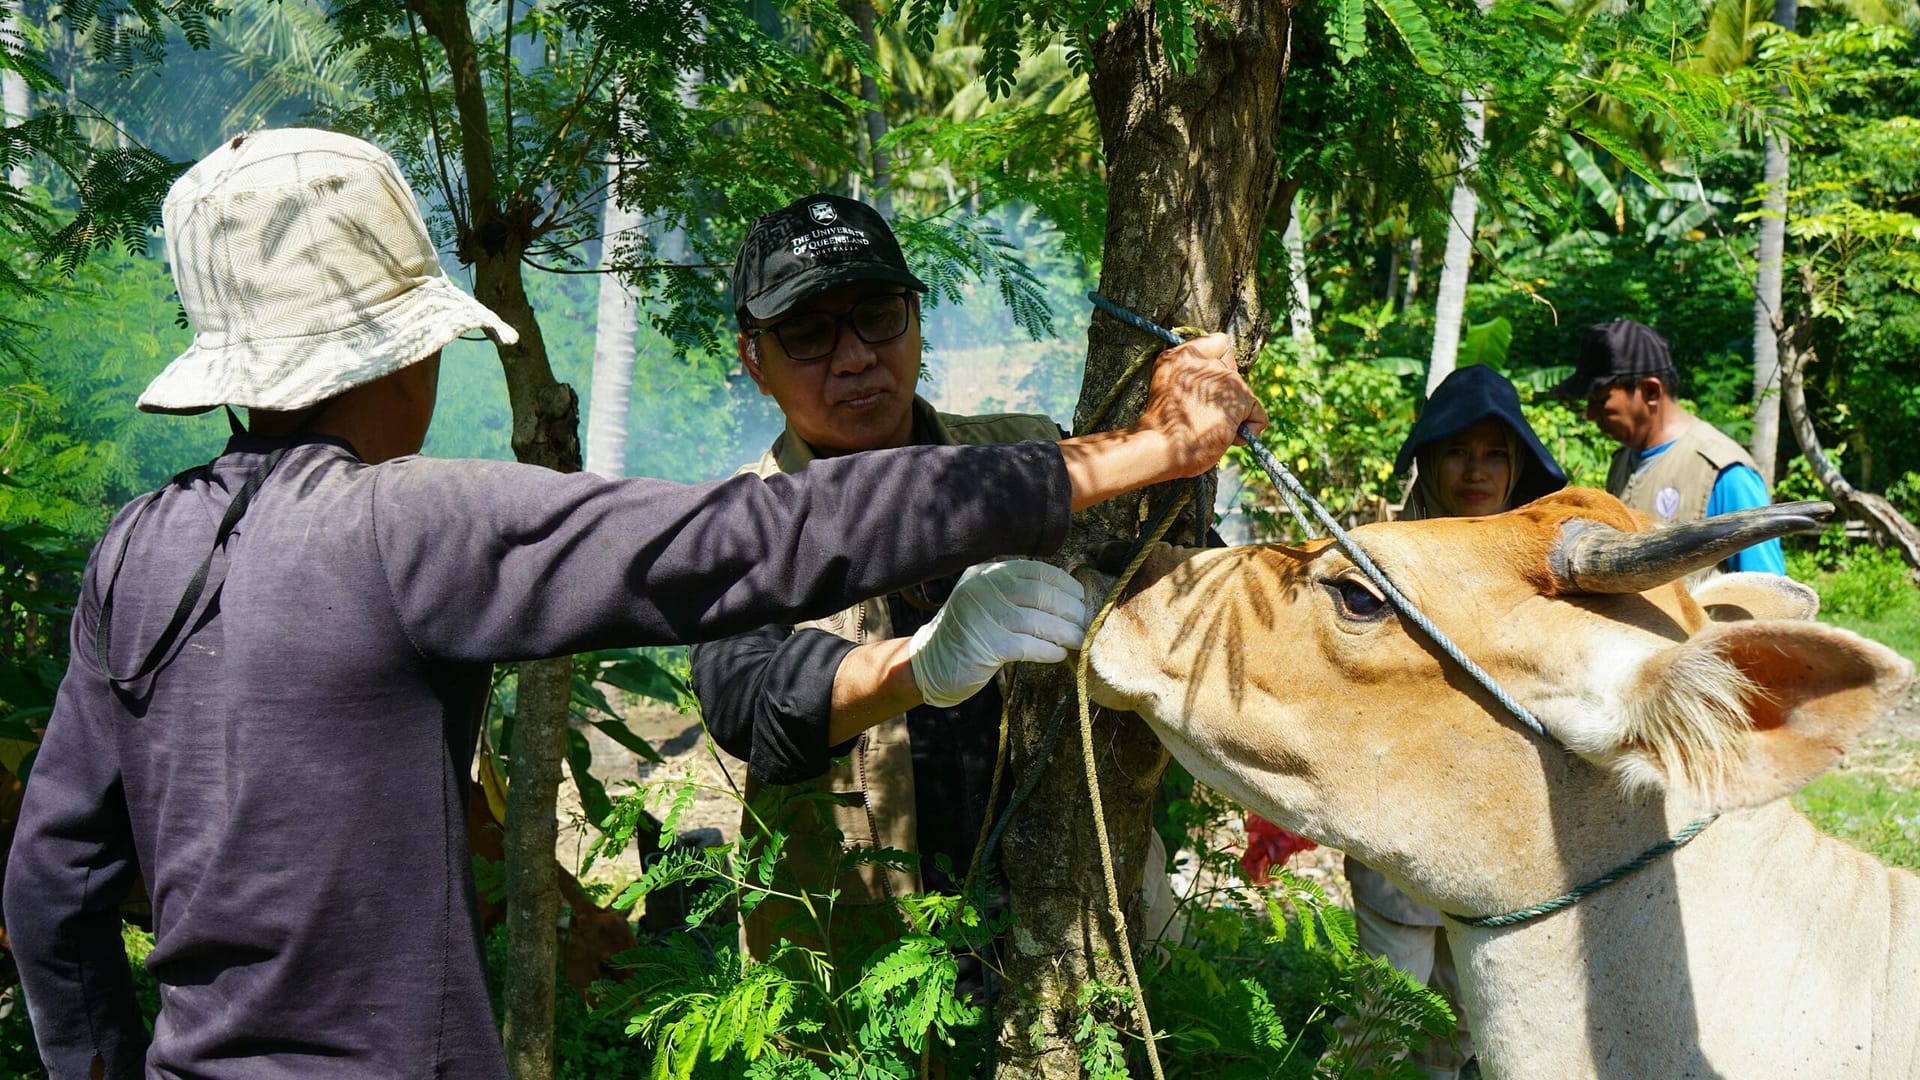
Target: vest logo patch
[1666, 502]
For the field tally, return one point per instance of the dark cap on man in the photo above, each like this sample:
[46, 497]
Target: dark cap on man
[811, 244]
[1615, 351]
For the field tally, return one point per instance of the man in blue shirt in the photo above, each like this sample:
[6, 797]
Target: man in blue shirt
[1671, 465]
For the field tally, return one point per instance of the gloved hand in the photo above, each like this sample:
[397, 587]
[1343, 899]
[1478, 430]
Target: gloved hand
[999, 612]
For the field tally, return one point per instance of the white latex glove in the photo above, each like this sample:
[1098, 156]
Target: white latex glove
[999, 612]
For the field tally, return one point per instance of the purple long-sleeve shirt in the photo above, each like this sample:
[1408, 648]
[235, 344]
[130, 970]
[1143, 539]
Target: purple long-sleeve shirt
[292, 782]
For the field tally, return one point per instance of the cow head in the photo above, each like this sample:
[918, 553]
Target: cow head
[1282, 677]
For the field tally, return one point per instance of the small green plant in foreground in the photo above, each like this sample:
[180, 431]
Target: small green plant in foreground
[1252, 992]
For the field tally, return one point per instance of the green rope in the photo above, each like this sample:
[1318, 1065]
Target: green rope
[1575, 895]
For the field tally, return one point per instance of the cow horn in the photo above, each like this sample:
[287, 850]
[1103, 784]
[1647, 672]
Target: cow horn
[1596, 558]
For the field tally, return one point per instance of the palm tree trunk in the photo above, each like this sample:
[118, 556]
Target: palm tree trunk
[15, 99]
[494, 238]
[1190, 175]
[1300, 309]
[1450, 304]
[1766, 299]
[1456, 266]
[616, 330]
[878, 162]
[1413, 274]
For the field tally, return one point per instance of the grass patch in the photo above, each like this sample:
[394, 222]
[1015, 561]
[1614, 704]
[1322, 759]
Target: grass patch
[1867, 811]
[1899, 632]
[1874, 803]
[1863, 588]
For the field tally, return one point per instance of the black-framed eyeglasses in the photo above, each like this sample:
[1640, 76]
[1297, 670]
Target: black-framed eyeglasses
[813, 335]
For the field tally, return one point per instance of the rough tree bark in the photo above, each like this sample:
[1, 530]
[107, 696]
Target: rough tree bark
[1190, 177]
[495, 231]
[1766, 298]
[1796, 349]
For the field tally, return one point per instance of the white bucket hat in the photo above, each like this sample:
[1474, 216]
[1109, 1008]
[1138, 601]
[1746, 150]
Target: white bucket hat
[306, 271]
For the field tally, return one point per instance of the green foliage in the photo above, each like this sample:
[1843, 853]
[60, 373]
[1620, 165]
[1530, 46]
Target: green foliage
[1103, 1056]
[587, 1045]
[39, 576]
[1244, 997]
[653, 674]
[1853, 228]
[1856, 581]
[707, 1011]
[1872, 811]
[1337, 423]
[1255, 990]
[117, 187]
[76, 447]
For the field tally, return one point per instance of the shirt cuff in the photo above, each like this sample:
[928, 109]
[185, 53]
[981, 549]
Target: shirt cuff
[790, 738]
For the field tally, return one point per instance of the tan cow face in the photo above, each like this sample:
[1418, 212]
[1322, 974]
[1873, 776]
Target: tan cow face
[1280, 676]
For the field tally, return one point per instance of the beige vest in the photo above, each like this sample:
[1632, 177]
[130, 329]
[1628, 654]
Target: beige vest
[1674, 486]
[865, 801]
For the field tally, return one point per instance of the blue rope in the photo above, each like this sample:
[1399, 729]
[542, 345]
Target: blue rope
[1297, 494]
[1141, 322]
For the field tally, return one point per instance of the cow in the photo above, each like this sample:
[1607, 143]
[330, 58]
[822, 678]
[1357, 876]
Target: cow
[1282, 677]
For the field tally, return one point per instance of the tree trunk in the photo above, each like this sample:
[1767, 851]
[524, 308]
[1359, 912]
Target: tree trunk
[494, 236]
[1300, 307]
[1766, 298]
[1190, 175]
[615, 332]
[1450, 304]
[1796, 345]
[15, 100]
[1413, 274]
[877, 159]
[1456, 263]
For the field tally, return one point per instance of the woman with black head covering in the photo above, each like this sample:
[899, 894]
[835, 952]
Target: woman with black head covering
[1473, 454]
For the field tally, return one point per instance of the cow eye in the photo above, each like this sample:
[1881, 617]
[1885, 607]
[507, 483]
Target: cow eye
[1358, 599]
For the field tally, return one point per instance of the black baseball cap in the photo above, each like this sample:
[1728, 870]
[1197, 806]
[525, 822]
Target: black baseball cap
[1612, 351]
[810, 244]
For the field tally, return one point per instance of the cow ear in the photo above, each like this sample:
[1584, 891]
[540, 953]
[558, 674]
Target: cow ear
[1748, 712]
[1739, 597]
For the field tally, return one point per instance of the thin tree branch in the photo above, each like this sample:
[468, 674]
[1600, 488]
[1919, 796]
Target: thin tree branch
[460, 222]
[506, 88]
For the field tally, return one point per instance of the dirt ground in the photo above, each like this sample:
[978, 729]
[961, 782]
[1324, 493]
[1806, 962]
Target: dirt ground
[1890, 749]
[683, 743]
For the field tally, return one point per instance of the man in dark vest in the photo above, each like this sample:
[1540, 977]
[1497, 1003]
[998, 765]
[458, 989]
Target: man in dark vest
[892, 745]
[1671, 465]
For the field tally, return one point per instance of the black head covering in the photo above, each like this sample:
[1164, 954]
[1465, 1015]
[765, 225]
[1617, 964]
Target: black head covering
[1468, 396]
[810, 245]
[1611, 351]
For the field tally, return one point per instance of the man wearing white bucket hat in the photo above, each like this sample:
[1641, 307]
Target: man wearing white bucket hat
[280, 659]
